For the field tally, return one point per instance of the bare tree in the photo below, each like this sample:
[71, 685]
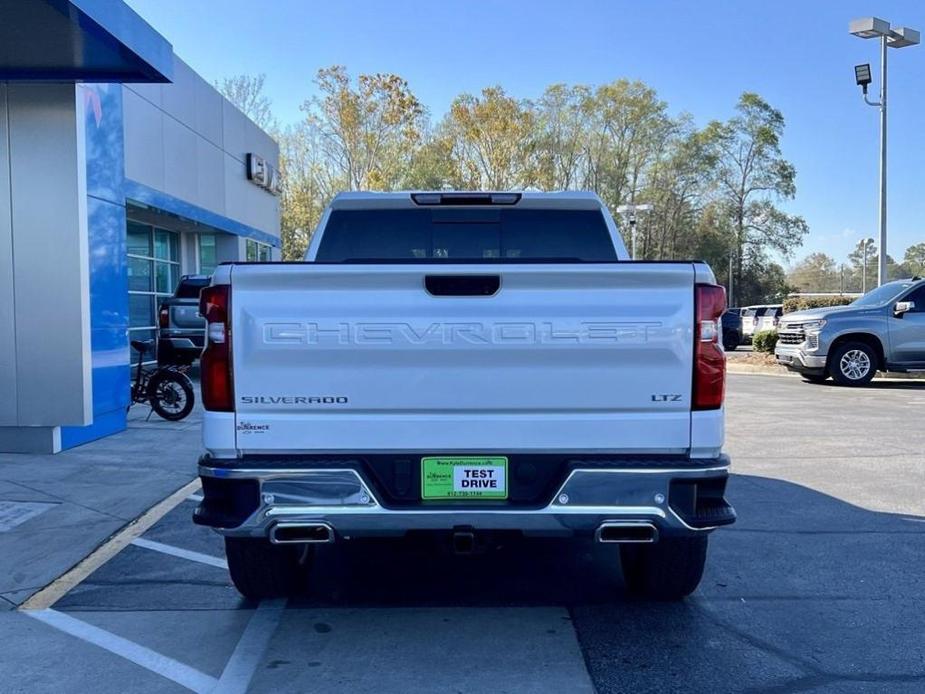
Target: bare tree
[368, 130]
[493, 140]
[246, 92]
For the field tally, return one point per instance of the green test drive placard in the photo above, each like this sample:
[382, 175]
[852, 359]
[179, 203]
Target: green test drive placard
[464, 477]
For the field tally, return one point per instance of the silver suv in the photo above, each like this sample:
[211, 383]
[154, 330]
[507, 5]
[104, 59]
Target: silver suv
[883, 330]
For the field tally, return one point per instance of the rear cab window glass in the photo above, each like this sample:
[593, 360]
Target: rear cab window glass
[189, 289]
[466, 234]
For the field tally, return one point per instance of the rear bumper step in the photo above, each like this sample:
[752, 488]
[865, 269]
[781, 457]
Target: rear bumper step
[613, 504]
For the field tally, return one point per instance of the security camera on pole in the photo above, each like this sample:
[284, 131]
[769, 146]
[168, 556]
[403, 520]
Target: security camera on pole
[628, 213]
[898, 37]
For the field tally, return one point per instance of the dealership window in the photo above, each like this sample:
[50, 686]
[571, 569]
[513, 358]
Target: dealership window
[207, 257]
[256, 251]
[153, 273]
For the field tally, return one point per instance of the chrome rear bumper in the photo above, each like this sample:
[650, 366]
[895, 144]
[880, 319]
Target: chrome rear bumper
[341, 499]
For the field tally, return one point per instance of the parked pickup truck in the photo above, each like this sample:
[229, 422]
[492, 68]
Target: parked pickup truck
[181, 331]
[884, 330]
[731, 325]
[467, 364]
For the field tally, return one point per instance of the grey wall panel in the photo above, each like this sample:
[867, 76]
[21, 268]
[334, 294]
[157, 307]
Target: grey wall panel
[210, 169]
[144, 140]
[179, 98]
[50, 257]
[229, 248]
[234, 131]
[30, 439]
[149, 92]
[255, 140]
[263, 207]
[7, 297]
[236, 194]
[180, 169]
[208, 112]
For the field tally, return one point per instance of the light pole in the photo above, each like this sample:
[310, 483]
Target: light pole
[629, 212]
[899, 37]
[865, 244]
[729, 288]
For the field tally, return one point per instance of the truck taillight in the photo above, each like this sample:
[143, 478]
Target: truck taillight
[163, 317]
[709, 359]
[215, 364]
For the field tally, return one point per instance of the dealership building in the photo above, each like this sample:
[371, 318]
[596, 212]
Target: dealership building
[121, 169]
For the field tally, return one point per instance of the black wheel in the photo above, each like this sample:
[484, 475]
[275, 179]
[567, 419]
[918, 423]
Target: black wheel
[815, 378]
[669, 569]
[259, 569]
[171, 395]
[730, 344]
[853, 364]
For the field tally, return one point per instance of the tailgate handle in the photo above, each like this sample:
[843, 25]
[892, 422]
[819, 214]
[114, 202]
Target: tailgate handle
[462, 285]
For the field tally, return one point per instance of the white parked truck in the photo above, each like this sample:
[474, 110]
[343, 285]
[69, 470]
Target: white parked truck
[467, 364]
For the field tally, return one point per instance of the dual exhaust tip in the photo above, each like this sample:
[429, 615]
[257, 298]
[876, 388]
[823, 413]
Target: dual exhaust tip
[463, 541]
[626, 532]
[301, 533]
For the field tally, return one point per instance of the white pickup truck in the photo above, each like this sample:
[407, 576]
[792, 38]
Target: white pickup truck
[470, 364]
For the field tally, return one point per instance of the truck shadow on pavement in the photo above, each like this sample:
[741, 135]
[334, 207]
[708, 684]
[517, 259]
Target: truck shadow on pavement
[804, 592]
[878, 384]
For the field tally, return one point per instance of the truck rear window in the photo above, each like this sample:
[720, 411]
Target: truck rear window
[190, 288]
[466, 234]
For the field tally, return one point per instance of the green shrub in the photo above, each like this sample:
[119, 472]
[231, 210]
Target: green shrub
[765, 341]
[801, 303]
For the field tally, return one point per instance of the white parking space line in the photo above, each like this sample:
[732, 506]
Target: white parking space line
[194, 497]
[53, 592]
[169, 668]
[180, 552]
[247, 655]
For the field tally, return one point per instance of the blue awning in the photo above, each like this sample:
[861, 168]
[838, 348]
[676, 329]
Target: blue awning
[80, 41]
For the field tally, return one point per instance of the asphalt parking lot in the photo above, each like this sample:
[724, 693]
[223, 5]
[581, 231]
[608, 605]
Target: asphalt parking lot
[818, 587]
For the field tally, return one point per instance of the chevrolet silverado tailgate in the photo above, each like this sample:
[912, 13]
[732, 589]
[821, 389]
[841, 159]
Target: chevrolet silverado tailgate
[463, 358]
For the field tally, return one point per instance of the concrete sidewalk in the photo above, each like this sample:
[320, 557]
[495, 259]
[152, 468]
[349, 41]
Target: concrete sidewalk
[56, 509]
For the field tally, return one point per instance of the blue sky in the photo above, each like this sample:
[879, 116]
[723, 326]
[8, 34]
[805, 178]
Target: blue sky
[699, 55]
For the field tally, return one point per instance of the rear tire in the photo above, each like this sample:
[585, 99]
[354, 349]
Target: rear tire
[260, 570]
[669, 569]
[853, 364]
[171, 395]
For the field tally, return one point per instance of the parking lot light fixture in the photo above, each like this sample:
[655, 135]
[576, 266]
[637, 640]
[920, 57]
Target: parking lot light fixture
[898, 37]
[902, 37]
[869, 27]
[862, 76]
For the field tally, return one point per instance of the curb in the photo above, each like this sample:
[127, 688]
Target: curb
[759, 370]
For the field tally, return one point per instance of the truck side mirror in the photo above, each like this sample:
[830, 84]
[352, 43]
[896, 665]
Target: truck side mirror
[902, 307]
